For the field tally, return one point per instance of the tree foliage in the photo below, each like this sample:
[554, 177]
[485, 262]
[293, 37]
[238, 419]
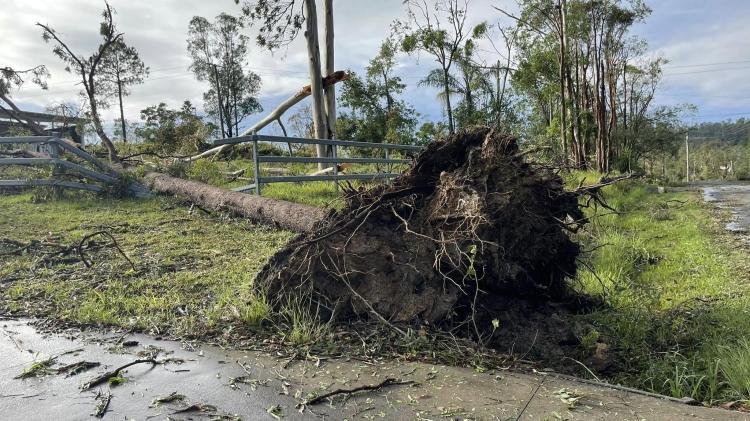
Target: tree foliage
[172, 130]
[86, 67]
[121, 68]
[375, 113]
[218, 50]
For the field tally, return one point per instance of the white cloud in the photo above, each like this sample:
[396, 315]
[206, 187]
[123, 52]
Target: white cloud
[158, 30]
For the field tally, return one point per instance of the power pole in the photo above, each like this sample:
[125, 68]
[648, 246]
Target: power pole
[687, 157]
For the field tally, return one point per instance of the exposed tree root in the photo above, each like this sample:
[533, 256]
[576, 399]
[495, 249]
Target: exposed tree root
[469, 233]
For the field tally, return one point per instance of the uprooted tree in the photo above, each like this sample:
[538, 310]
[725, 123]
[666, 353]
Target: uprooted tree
[468, 226]
[470, 233]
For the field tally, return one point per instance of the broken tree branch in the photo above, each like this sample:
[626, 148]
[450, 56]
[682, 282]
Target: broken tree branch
[114, 243]
[96, 381]
[276, 114]
[387, 382]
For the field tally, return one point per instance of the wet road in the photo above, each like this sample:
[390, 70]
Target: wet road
[231, 385]
[734, 197]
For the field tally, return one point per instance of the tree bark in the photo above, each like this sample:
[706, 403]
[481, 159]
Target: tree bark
[276, 113]
[313, 55]
[330, 90]
[448, 108]
[563, 64]
[122, 112]
[286, 215]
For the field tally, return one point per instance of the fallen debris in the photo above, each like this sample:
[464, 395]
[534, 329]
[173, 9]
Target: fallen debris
[172, 397]
[79, 367]
[37, 369]
[96, 381]
[102, 404]
[385, 383]
[88, 237]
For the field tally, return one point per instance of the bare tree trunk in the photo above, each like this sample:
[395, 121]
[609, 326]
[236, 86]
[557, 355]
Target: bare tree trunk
[218, 100]
[100, 130]
[448, 108]
[316, 85]
[122, 113]
[330, 90]
[286, 215]
[563, 112]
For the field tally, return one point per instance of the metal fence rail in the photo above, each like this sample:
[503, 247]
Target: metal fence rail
[335, 159]
[52, 146]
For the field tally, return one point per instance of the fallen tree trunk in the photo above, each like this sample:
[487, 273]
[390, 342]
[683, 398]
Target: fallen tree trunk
[286, 215]
[276, 114]
[469, 227]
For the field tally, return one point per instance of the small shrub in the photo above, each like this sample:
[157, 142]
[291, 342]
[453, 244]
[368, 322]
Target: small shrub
[206, 172]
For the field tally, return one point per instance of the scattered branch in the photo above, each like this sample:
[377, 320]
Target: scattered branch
[387, 382]
[114, 373]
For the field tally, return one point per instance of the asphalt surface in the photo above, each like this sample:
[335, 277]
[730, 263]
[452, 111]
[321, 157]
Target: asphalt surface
[736, 198]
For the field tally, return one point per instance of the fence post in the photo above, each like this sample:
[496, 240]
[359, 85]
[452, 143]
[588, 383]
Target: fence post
[388, 165]
[336, 168]
[54, 152]
[256, 164]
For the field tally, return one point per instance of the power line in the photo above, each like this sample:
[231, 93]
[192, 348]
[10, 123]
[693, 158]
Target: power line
[707, 71]
[706, 64]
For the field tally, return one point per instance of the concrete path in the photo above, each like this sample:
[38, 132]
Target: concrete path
[229, 385]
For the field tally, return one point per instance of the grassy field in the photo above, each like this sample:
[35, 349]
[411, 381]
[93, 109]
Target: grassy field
[674, 284]
[192, 274]
[677, 316]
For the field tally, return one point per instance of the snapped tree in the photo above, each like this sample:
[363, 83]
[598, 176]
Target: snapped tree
[87, 69]
[280, 21]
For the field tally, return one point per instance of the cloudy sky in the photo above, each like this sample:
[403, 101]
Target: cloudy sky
[707, 43]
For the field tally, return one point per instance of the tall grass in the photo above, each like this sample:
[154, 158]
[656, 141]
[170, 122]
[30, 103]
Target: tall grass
[674, 292]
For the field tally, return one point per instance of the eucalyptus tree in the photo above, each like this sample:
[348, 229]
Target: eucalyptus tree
[279, 23]
[121, 68]
[87, 68]
[218, 50]
[576, 61]
[440, 30]
[375, 113]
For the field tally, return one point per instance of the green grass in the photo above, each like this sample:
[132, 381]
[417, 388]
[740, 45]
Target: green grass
[316, 193]
[675, 287]
[673, 283]
[194, 271]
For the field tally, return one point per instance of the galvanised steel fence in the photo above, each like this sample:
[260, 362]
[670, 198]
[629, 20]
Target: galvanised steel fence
[49, 149]
[334, 160]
